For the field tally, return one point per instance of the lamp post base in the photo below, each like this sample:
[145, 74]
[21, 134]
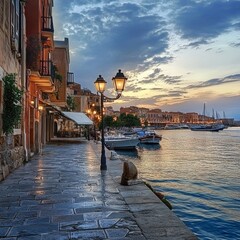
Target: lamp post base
[103, 163]
[103, 168]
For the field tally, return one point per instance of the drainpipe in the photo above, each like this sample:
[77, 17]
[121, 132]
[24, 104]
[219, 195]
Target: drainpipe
[23, 75]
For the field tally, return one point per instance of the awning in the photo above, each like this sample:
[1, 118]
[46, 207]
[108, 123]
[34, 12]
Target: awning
[78, 117]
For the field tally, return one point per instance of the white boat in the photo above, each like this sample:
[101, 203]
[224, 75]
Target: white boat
[149, 137]
[206, 127]
[121, 142]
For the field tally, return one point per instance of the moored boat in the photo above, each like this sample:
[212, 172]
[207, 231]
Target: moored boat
[149, 137]
[206, 127]
[121, 142]
[172, 127]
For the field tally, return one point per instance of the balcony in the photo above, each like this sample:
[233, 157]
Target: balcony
[44, 78]
[46, 68]
[47, 24]
[47, 31]
[70, 78]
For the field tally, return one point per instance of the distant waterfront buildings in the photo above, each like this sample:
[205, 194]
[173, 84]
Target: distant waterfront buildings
[157, 117]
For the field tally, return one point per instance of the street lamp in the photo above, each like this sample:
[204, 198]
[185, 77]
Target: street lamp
[119, 82]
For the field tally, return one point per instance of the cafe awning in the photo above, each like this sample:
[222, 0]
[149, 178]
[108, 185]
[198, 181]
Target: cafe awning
[78, 117]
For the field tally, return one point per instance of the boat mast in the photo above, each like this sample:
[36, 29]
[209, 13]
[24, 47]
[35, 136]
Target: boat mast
[213, 114]
[204, 110]
[224, 115]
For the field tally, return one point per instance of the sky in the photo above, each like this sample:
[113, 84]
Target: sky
[176, 54]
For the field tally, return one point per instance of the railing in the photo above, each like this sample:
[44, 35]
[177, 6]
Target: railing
[46, 68]
[70, 78]
[47, 24]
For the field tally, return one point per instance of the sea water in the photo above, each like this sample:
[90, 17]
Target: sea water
[199, 173]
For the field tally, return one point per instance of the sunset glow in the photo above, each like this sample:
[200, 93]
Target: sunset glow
[176, 55]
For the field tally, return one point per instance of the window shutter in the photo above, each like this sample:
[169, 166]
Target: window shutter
[15, 24]
[17, 19]
[13, 10]
[6, 13]
[1, 13]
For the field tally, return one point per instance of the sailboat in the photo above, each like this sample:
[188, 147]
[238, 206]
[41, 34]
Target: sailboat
[207, 127]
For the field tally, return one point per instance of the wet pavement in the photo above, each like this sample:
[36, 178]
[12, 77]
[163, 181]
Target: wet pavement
[62, 194]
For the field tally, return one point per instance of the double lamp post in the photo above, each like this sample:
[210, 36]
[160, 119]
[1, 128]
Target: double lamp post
[119, 82]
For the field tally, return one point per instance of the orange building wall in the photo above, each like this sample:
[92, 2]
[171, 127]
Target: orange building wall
[33, 14]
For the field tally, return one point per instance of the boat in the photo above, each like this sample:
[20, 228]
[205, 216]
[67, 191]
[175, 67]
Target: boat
[214, 127]
[172, 127]
[121, 142]
[149, 137]
[184, 126]
[206, 127]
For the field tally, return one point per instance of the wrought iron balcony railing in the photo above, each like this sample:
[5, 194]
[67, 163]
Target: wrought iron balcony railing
[47, 69]
[70, 78]
[47, 24]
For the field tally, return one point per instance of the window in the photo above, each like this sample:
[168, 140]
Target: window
[15, 24]
[2, 13]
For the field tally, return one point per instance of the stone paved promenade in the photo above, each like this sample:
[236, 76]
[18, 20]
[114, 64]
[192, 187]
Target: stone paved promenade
[62, 194]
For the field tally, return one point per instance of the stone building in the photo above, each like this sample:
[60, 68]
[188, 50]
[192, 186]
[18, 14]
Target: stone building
[61, 61]
[191, 117]
[154, 117]
[12, 61]
[74, 91]
[88, 100]
[130, 110]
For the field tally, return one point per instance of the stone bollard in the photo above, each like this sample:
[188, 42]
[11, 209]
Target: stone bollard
[114, 156]
[129, 174]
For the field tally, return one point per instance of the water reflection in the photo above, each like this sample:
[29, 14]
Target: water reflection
[153, 147]
[199, 173]
[128, 154]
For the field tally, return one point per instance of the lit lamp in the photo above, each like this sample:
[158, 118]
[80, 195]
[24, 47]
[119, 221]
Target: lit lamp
[119, 82]
[88, 111]
[40, 108]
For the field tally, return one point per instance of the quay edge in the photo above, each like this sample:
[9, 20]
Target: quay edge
[154, 218]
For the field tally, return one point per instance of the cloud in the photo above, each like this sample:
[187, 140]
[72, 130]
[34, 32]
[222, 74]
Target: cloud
[112, 35]
[216, 81]
[206, 19]
[154, 77]
[134, 88]
[155, 73]
[196, 44]
[235, 44]
[144, 38]
[175, 93]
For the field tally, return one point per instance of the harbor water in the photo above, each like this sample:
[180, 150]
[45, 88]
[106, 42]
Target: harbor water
[199, 173]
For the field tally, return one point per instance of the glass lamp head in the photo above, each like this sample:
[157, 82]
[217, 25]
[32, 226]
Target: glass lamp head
[119, 81]
[100, 84]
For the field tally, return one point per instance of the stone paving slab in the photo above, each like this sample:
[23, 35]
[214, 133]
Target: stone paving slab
[63, 195]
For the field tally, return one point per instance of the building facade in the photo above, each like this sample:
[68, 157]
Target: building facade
[40, 70]
[61, 61]
[12, 48]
